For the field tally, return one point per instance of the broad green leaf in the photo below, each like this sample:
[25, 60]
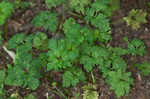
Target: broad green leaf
[119, 82]
[40, 41]
[46, 19]
[6, 9]
[144, 68]
[16, 40]
[136, 47]
[73, 77]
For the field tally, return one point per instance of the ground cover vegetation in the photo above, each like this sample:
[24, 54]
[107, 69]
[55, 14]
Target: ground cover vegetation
[77, 44]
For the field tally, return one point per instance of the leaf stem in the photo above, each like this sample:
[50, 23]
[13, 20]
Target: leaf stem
[74, 14]
[93, 79]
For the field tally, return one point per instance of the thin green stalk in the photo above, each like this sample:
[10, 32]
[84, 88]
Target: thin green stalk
[93, 78]
[74, 14]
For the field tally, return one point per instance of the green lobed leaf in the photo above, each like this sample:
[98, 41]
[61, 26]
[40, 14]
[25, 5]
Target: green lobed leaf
[33, 83]
[120, 82]
[72, 77]
[16, 40]
[46, 19]
[15, 76]
[6, 8]
[72, 31]
[40, 41]
[144, 68]
[136, 47]
[135, 18]
[59, 57]
[101, 22]
[79, 5]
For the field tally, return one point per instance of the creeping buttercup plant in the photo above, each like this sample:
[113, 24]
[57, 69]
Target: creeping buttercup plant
[71, 48]
[136, 46]
[6, 8]
[47, 20]
[26, 69]
[135, 18]
[40, 41]
[144, 68]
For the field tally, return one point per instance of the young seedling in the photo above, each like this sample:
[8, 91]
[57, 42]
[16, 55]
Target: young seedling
[136, 18]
